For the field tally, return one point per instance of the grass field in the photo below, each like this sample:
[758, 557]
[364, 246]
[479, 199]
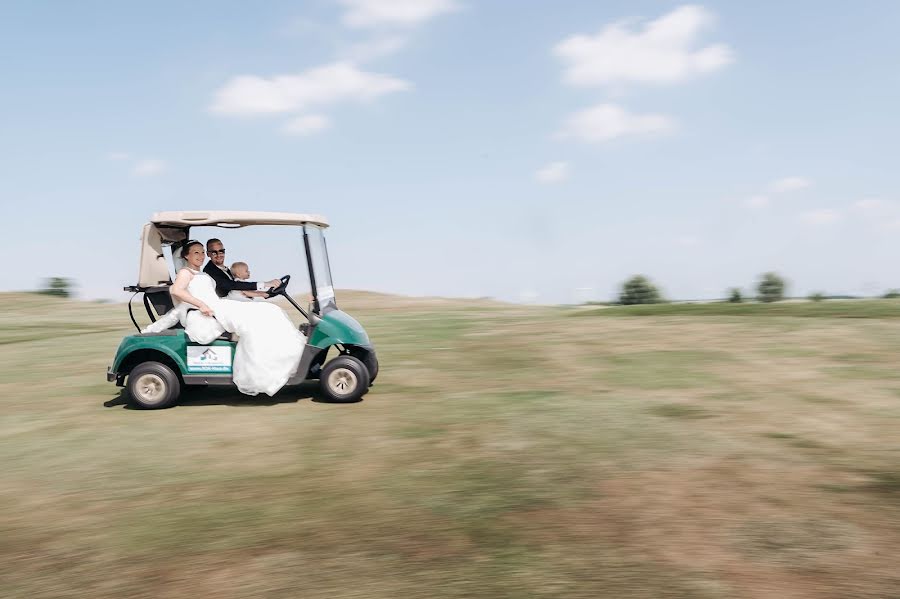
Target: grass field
[505, 451]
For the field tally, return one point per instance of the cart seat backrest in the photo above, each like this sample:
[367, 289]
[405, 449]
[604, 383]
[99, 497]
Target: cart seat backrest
[160, 299]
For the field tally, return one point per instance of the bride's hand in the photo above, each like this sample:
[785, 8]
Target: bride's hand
[207, 311]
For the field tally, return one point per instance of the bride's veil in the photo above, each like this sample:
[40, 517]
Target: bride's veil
[177, 261]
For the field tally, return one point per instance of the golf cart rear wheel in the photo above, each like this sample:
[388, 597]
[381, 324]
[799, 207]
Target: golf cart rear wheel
[152, 386]
[344, 379]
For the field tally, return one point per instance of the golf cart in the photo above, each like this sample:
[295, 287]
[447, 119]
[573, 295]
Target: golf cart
[156, 367]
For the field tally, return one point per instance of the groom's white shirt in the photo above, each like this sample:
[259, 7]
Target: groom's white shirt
[225, 270]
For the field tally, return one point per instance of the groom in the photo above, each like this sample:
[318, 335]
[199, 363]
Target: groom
[221, 274]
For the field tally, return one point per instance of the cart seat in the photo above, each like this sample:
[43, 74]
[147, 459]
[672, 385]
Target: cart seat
[161, 300]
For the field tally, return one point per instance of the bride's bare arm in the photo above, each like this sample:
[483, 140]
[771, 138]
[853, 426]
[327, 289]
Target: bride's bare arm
[179, 291]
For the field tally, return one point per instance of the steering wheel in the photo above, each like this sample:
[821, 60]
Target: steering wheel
[280, 289]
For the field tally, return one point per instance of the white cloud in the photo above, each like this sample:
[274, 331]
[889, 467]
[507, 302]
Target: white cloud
[376, 48]
[149, 167]
[757, 201]
[609, 121]
[554, 172]
[825, 216]
[662, 51]
[364, 14]
[780, 186]
[789, 184]
[874, 207]
[306, 124]
[250, 95]
[118, 156]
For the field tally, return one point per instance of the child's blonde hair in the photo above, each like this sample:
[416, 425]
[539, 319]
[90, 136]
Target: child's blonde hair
[239, 265]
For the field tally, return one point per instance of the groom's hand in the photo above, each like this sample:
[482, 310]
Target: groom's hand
[273, 283]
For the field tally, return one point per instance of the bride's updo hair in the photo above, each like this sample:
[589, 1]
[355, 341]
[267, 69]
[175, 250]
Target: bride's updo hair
[187, 247]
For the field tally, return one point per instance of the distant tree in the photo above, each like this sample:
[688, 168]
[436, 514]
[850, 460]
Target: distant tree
[639, 290]
[770, 288]
[892, 294]
[57, 286]
[816, 296]
[735, 296]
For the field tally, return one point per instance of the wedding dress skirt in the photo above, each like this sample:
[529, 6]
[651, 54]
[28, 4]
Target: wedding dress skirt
[270, 346]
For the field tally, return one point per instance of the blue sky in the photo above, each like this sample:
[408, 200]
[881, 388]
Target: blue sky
[530, 151]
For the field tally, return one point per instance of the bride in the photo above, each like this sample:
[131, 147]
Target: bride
[270, 346]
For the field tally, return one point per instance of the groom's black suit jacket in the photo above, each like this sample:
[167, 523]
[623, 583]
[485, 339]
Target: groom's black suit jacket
[224, 283]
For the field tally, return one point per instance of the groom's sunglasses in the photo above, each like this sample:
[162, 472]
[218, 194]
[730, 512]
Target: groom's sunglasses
[215, 252]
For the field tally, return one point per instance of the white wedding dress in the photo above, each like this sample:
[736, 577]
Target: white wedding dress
[270, 346]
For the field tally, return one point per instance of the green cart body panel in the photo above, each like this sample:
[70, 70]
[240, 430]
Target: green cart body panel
[171, 345]
[339, 327]
[175, 346]
[335, 327]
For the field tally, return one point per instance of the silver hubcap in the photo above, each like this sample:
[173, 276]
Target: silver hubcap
[150, 388]
[342, 381]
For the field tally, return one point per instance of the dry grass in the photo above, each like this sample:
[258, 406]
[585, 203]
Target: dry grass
[504, 452]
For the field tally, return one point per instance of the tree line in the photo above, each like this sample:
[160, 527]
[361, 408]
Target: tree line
[57, 287]
[771, 287]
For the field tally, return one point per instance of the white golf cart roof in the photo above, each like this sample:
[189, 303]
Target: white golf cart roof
[234, 218]
[172, 227]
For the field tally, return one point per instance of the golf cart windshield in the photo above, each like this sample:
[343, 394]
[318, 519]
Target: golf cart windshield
[319, 269]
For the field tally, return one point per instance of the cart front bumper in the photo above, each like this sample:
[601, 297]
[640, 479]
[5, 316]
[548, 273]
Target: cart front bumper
[114, 376]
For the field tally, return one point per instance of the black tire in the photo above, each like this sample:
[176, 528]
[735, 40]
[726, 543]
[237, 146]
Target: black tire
[344, 379]
[369, 359]
[371, 363]
[153, 386]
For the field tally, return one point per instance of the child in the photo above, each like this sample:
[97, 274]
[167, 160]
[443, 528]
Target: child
[241, 272]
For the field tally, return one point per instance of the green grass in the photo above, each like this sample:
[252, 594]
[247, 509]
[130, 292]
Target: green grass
[887, 481]
[504, 452]
[674, 410]
[790, 352]
[662, 369]
[870, 372]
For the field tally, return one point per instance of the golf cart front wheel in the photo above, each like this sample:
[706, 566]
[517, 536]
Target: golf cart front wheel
[372, 365]
[152, 386]
[344, 379]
